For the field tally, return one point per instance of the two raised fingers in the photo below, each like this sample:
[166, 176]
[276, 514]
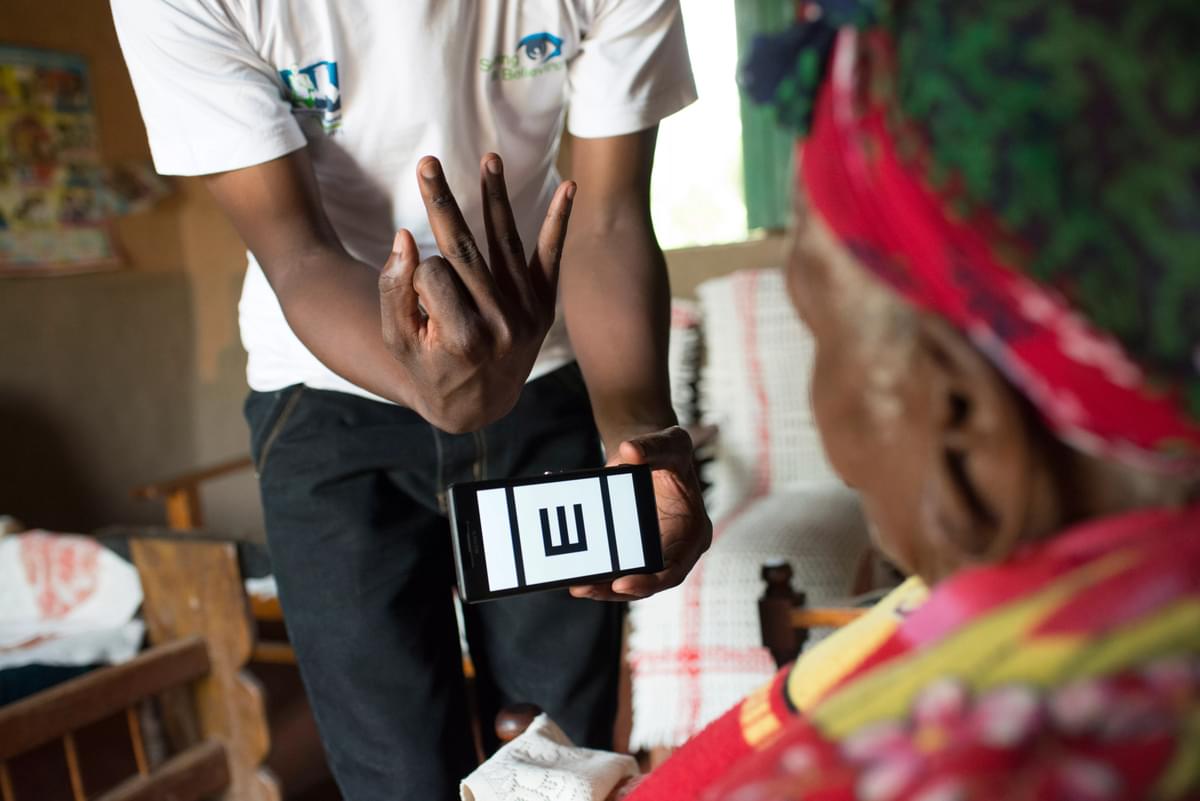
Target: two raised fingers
[506, 251]
[457, 289]
[450, 230]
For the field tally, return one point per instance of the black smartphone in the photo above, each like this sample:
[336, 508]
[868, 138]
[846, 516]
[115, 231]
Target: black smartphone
[556, 530]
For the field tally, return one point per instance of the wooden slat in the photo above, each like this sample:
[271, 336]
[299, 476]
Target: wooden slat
[160, 489]
[183, 509]
[195, 588]
[825, 618]
[73, 771]
[48, 715]
[275, 653]
[6, 790]
[135, 737]
[168, 534]
[195, 774]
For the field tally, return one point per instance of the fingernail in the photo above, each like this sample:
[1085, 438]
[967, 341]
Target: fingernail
[429, 169]
[493, 166]
[571, 187]
[398, 244]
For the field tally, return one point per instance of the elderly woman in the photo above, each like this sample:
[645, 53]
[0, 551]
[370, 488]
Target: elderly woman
[997, 249]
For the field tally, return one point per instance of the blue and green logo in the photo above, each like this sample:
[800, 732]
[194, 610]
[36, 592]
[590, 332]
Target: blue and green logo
[314, 90]
[535, 55]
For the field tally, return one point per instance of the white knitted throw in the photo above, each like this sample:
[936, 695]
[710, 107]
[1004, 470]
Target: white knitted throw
[754, 387]
[696, 650]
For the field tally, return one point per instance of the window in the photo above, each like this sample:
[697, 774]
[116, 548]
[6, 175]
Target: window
[696, 192]
[722, 167]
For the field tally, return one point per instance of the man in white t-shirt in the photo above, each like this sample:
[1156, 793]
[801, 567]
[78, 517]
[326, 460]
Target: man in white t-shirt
[372, 391]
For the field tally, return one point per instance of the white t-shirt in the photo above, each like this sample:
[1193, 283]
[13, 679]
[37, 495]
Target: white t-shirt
[371, 86]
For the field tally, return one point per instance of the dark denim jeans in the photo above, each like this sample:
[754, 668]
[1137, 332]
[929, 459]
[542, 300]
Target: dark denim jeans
[353, 493]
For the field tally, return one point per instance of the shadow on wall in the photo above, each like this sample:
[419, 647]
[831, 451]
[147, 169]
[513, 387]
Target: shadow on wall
[42, 482]
[96, 395]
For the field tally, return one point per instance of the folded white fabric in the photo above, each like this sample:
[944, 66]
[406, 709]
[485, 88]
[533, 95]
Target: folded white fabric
[543, 765]
[68, 590]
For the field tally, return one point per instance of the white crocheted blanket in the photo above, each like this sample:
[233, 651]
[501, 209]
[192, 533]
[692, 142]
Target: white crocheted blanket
[696, 650]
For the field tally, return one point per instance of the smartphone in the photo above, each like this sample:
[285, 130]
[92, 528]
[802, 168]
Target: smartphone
[557, 530]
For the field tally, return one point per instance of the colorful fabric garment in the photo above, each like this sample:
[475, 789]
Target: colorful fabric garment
[1030, 172]
[1070, 671]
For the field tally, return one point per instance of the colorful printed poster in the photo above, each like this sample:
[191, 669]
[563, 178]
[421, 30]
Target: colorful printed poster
[52, 206]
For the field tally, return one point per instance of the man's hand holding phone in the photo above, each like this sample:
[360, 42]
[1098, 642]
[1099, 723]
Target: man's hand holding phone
[684, 526]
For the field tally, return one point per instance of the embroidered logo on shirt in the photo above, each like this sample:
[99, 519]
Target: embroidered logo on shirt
[534, 56]
[314, 90]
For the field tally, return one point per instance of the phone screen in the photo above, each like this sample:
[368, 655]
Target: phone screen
[558, 530]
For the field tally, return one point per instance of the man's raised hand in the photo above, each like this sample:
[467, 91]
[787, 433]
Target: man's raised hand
[467, 329]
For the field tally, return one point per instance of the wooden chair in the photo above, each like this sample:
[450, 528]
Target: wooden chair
[181, 500]
[787, 620]
[213, 713]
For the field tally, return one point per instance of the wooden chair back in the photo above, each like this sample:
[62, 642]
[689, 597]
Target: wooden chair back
[181, 499]
[785, 617]
[199, 625]
[199, 771]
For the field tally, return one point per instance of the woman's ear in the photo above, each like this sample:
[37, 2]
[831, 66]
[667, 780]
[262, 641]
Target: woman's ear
[986, 490]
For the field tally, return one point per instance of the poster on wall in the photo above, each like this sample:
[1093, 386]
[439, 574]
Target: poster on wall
[53, 216]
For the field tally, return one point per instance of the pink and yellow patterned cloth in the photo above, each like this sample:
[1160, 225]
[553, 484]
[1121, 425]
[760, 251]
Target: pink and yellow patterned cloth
[1070, 671]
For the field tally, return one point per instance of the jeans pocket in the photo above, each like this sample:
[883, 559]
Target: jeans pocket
[268, 413]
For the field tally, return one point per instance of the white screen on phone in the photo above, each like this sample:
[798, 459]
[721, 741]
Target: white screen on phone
[561, 531]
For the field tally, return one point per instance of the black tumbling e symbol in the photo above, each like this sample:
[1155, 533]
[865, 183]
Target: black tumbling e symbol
[564, 544]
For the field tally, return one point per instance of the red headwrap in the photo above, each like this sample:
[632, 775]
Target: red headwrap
[1081, 380]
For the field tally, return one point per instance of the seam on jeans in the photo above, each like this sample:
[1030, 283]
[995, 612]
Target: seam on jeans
[441, 469]
[479, 469]
[288, 408]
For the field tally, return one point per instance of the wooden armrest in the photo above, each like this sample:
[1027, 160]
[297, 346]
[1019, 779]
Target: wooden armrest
[831, 617]
[190, 480]
[166, 533]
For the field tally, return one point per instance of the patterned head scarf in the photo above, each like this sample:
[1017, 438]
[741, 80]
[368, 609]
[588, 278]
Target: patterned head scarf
[1030, 171]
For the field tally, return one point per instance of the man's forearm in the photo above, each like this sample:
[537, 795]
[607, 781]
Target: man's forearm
[451, 337]
[617, 304]
[331, 302]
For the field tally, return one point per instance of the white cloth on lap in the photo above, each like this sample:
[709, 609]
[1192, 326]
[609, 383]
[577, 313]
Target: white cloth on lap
[543, 765]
